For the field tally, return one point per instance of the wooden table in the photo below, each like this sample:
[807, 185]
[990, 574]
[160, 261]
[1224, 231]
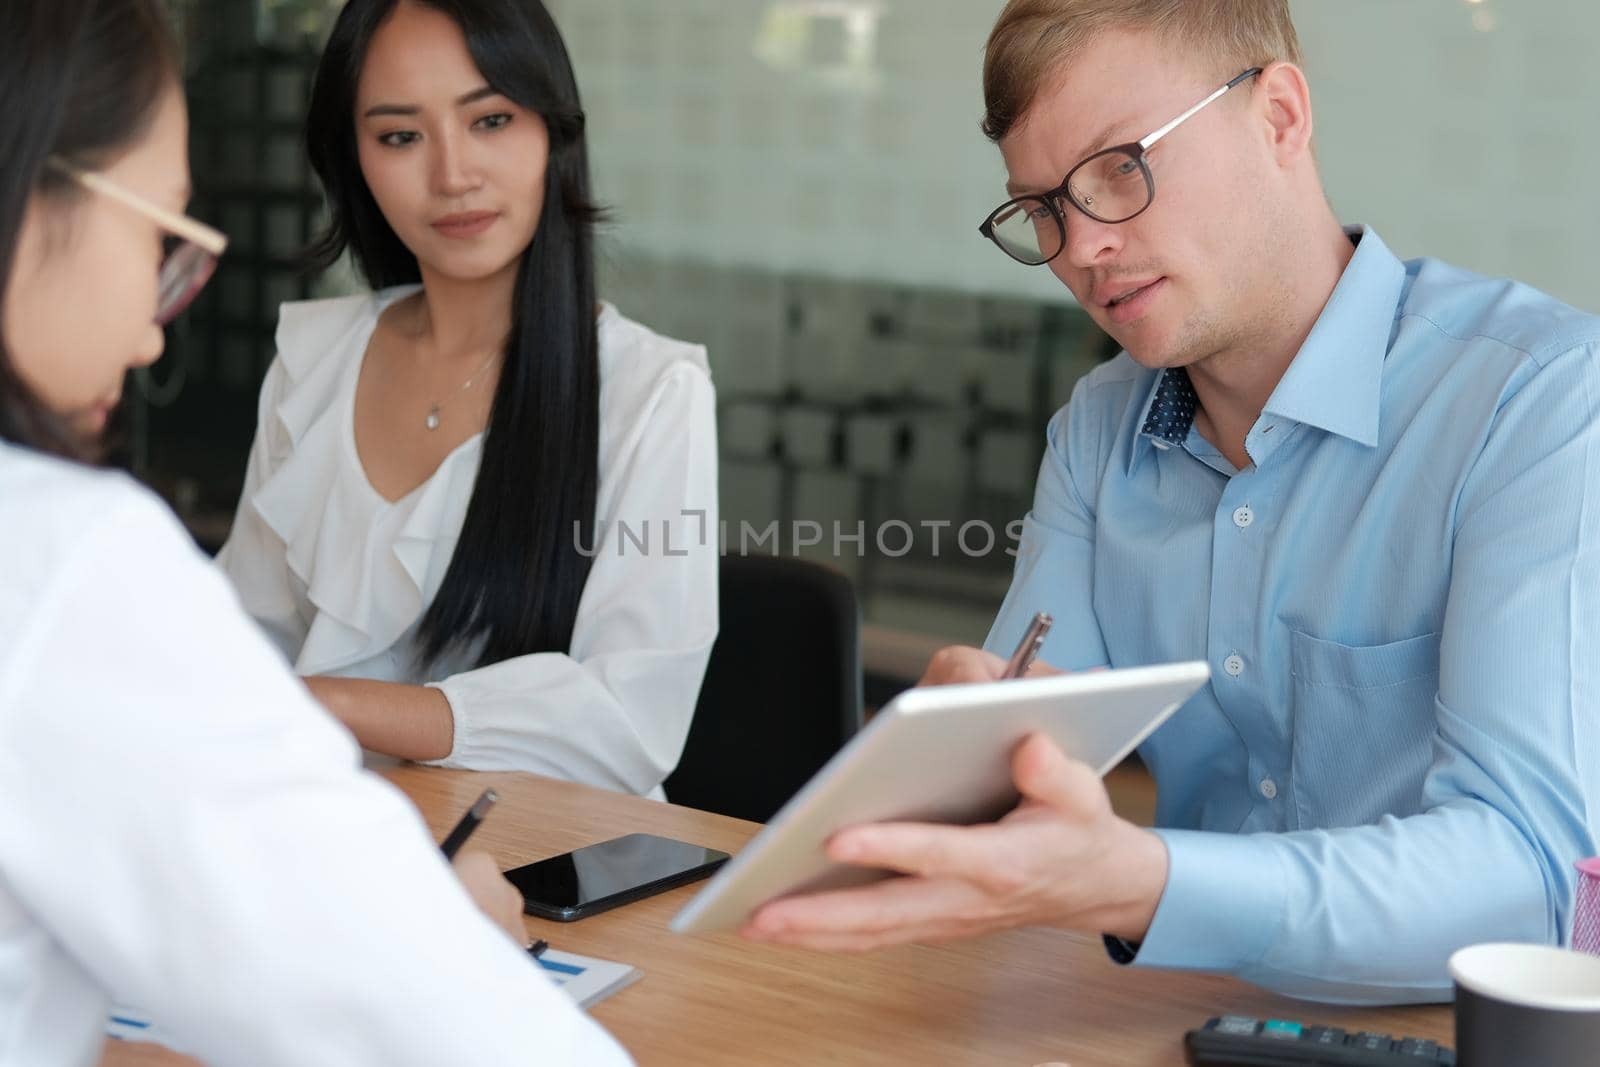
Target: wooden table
[1013, 1000]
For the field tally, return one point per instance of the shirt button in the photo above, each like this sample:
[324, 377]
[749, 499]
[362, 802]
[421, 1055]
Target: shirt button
[1243, 517]
[1269, 788]
[1234, 665]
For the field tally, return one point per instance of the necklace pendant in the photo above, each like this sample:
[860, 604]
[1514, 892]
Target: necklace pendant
[432, 421]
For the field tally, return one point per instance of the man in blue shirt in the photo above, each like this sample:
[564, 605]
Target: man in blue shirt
[1363, 490]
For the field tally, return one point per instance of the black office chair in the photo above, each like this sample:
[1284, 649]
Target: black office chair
[783, 690]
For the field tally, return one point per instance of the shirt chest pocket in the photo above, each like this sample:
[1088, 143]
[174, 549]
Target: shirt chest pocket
[1362, 727]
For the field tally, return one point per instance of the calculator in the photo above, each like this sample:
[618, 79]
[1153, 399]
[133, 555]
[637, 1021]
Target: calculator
[1240, 1041]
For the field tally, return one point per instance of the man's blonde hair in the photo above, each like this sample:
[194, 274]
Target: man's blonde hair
[1033, 39]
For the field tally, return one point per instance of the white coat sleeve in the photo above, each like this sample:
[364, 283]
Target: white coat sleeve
[196, 831]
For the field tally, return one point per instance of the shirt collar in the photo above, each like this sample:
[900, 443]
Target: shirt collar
[1335, 379]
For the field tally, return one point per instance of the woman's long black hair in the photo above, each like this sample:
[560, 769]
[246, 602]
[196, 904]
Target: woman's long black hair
[517, 574]
[80, 80]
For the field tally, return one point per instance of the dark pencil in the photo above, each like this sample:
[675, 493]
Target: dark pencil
[469, 822]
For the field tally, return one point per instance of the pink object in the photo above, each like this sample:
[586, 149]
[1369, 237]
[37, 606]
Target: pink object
[1586, 915]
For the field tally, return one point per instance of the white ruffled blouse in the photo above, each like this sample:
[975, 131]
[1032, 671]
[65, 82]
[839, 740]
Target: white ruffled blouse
[339, 577]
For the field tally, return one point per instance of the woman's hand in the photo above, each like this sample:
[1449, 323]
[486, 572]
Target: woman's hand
[495, 897]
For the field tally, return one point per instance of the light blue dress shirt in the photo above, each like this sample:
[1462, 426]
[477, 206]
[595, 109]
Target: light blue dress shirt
[1399, 752]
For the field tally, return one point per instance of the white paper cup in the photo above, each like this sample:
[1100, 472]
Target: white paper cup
[1526, 1006]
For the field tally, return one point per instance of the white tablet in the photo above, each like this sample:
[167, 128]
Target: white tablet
[941, 754]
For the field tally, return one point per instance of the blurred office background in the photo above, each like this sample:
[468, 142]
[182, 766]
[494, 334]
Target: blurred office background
[797, 184]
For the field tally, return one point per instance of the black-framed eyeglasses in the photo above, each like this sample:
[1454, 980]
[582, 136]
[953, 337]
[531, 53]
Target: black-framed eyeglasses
[1111, 186]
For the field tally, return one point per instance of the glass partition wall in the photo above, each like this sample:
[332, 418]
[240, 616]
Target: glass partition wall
[797, 184]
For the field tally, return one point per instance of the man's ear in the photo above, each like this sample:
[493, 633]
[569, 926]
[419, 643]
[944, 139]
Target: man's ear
[1284, 100]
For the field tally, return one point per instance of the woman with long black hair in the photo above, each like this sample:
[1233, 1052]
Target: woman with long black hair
[180, 826]
[480, 515]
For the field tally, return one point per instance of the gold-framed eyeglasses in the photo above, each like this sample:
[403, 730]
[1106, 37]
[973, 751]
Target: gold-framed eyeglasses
[190, 248]
[1111, 186]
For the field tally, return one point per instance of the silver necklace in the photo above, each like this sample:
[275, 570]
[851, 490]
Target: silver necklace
[432, 421]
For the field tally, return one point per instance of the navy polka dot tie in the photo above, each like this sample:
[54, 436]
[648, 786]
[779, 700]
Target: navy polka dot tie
[1172, 411]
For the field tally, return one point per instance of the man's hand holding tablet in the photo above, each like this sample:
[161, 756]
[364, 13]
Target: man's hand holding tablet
[920, 793]
[1061, 858]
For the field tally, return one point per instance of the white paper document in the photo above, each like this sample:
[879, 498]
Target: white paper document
[585, 979]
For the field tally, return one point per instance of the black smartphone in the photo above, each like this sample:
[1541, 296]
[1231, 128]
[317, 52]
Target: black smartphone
[599, 877]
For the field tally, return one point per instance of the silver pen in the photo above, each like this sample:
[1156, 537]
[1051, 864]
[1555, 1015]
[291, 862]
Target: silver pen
[1028, 647]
